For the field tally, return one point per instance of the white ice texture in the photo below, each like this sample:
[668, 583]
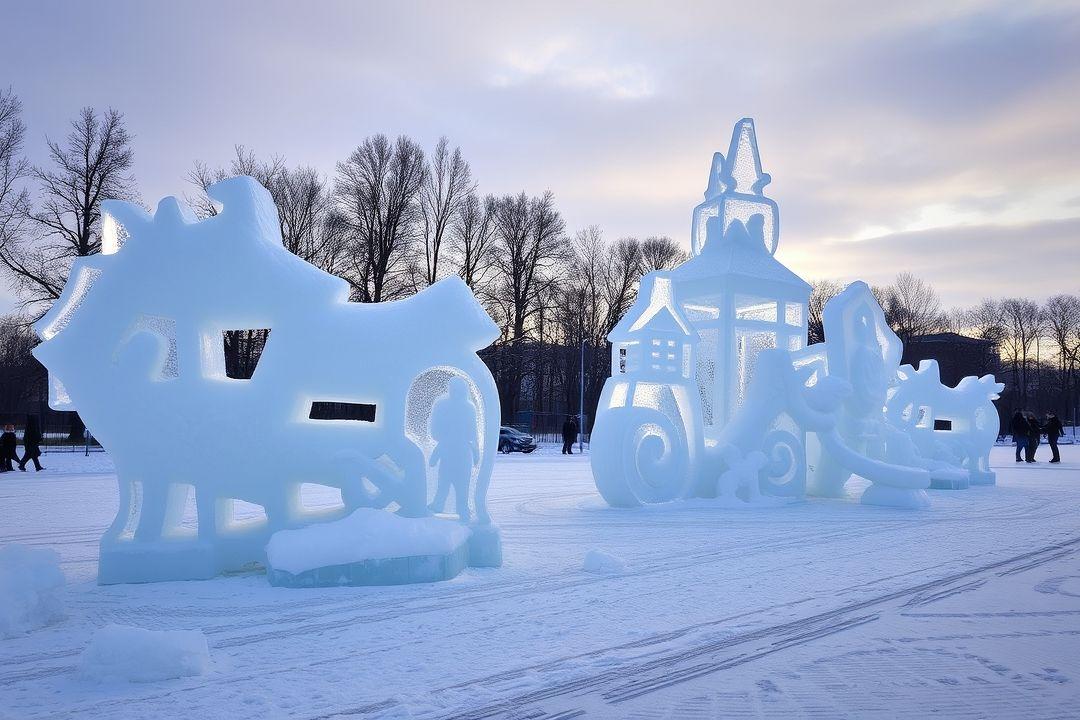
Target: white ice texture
[30, 585]
[343, 394]
[366, 534]
[599, 562]
[120, 653]
[714, 393]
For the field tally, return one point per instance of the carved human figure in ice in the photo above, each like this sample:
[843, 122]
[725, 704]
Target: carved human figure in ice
[453, 428]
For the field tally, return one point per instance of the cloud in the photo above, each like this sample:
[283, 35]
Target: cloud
[963, 263]
[566, 62]
[879, 123]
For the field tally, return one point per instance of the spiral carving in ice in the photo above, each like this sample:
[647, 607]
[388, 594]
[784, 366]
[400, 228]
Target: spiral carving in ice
[639, 455]
[785, 473]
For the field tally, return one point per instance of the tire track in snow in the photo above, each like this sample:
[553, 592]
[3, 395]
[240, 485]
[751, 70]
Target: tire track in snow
[625, 683]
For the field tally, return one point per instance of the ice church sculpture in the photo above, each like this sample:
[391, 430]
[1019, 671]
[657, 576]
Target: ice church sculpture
[342, 394]
[711, 380]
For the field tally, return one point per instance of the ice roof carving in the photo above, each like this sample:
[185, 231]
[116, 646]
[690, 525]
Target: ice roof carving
[662, 315]
[735, 192]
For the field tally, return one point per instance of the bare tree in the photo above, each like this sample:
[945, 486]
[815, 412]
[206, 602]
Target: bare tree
[821, 292]
[911, 307]
[472, 239]
[377, 191]
[93, 165]
[660, 253]
[529, 240]
[1062, 313]
[986, 320]
[14, 169]
[22, 378]
[447, 183]
[244, 162]
[1024, 322]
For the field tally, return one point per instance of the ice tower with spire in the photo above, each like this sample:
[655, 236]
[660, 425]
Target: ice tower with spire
[730, 300]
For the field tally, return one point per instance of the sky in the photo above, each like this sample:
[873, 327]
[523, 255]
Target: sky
[941, 139]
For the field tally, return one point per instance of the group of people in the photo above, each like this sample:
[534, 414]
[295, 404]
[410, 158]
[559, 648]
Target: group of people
[1027, 431]
[9, 446]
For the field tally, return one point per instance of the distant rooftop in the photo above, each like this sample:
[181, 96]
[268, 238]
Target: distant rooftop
[950, 338]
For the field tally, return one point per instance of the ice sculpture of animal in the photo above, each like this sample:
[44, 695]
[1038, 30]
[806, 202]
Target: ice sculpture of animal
[919, 401]
[341, 396]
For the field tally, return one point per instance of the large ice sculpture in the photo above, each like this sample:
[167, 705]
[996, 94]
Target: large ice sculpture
[861, 349]
[341, 395]
[712, 385]
[919, 403]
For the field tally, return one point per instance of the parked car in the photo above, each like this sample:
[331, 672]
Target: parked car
[511, 440]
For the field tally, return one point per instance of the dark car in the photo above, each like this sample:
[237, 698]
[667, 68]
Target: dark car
[511, 440]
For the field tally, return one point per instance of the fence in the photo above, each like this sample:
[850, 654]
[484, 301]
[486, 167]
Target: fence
[545, 427]
[55, 440]
[60, 439]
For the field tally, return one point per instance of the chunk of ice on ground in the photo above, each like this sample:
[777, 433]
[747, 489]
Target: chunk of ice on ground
[601, 563]
[30, 583]
[366, 534]
[120, 653]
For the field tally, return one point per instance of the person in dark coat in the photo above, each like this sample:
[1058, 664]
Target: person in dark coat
[8, 448]
[569, 435]
[1033, 437]
[1053, 429]
[31, 443]
[1020, 429]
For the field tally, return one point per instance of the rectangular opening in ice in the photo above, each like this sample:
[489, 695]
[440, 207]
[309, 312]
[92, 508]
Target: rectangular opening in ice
[242, 351]
[324, 410]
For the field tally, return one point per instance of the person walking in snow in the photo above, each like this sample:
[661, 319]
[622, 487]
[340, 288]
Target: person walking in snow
[1052, 427]
[31, 443]
[8, 448]
[1034, 435]
[569, 435]
[1020, 430]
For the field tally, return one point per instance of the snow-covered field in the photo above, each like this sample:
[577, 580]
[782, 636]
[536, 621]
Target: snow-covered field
[825, 609]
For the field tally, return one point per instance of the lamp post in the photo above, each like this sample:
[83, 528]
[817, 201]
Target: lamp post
[581, 400]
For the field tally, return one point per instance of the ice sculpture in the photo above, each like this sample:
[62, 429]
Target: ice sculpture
[861, 349]
[919, 403]
[712, 390]
[456, 453]
[342, 394]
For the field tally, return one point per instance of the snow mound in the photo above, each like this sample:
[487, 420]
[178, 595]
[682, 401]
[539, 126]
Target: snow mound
[120, 653]
[366, 534]
[601, 563]
[30, 582]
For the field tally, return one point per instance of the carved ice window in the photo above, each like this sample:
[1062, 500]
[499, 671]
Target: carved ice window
[323, 410]
[748, 307]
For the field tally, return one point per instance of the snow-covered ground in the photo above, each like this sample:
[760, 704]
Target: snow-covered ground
[825, 609]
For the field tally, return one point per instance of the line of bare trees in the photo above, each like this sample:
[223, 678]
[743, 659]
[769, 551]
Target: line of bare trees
[391, 219]
[1038, 343]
